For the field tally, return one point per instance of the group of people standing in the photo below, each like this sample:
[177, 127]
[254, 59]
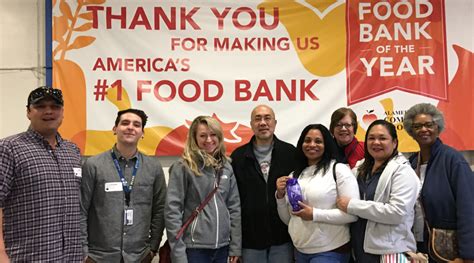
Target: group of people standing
[115, 206]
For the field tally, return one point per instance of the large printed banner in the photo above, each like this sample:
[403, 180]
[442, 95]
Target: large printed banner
[179, 59]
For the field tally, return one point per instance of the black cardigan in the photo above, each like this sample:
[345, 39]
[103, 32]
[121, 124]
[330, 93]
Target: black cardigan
[261, 225]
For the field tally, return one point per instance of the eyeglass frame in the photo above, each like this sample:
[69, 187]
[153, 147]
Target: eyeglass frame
[428, 125]
[345, 125]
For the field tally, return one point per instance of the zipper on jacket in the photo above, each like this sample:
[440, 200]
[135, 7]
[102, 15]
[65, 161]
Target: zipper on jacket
[217, 222]
[259, 171]
[193, 228]
[230, 224]
[217, 208]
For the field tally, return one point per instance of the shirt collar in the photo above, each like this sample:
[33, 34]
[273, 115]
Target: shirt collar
[119, 155]
[40, 138]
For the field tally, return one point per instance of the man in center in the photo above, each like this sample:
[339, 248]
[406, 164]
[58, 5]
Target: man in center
[257, 165]
[123, 194]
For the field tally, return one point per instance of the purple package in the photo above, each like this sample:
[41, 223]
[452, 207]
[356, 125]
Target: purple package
[293, 190]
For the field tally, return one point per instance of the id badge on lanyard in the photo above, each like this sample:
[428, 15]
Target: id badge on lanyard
[127, 188]
[128, 217]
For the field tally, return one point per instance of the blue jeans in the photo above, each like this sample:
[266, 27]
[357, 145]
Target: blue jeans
[203, 255]
[323, 257]
[274, 254]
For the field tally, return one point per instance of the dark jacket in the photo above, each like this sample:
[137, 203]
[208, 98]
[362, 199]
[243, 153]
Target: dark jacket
[448, 194]
[261, 225]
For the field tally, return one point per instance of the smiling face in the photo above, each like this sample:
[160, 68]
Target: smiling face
[425, 130]
[380, 143]
[45, 117]
[263, 124]
[344, 131]
[206, 139]
[313, 146]
[129, 129]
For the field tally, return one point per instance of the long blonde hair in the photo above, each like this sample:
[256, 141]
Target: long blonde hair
[192, 155]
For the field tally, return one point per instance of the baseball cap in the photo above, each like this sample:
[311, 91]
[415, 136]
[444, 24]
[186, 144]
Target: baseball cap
[45, 92]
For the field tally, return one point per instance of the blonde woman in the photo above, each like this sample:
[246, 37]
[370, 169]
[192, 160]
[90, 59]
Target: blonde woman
[215, 234]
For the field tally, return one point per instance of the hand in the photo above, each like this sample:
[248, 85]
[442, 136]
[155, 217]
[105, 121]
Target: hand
[417, 257]
[342, 203]
[4, 257]
[234, 259]
[306, 212]
[281, 186]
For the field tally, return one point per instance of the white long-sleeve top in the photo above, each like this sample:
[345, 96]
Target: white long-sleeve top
[330, 226]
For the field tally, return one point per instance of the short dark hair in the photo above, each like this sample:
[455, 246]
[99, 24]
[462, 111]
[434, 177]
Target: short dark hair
[137, 112]
[330, 150]
[340, 113]
[369, 161]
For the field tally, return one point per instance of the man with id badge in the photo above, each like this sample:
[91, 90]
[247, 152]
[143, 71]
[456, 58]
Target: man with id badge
[122, 198]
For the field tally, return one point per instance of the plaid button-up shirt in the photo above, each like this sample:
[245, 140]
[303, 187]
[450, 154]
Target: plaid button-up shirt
[40, 198]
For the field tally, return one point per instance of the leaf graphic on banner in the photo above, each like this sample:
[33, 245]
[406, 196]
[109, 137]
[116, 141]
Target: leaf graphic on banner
[84, 27]
[61, 46]
[60, 28]
[234, 134]
[86, 16]
[228, 130]
[81, 42]
[68, 76]
[65, 9]
[63, 28]
[94, 2]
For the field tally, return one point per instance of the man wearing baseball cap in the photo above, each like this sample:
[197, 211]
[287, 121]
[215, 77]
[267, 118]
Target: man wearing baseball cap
[40, 176]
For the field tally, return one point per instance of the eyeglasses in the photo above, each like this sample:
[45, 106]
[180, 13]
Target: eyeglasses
[43, 92]
[428, 125]
[345, 125]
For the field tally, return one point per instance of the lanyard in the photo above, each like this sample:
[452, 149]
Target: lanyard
[127, 188]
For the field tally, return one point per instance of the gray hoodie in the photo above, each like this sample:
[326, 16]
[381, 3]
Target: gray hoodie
[217, 225]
